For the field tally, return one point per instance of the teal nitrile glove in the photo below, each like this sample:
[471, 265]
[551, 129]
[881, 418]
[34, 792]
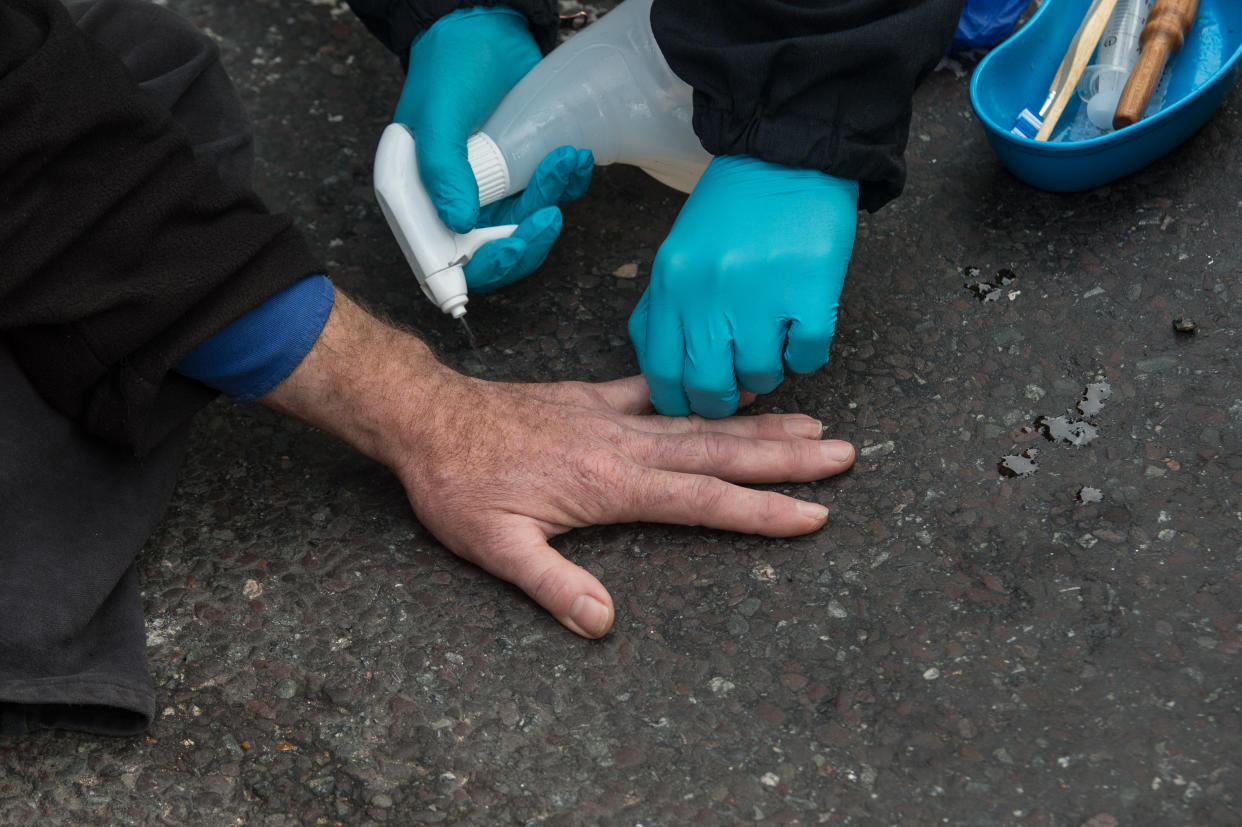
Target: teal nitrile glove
[460, 69]
[561, 176]
[751, 272]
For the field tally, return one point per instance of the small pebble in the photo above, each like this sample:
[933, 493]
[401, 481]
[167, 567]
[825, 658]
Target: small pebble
[1087, 494]
[1061, 429]
[1019, 465]
[322, 786]
[990, 291]
[1093, 397]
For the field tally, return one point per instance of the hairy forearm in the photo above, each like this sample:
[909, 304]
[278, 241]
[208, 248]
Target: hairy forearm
[363, 381]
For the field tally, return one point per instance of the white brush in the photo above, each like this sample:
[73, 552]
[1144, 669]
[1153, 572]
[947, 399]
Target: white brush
[1039, 125]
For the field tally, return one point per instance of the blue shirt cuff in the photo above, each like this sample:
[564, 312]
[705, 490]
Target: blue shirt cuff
[258, 351]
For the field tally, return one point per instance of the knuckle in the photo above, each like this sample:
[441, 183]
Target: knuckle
[600, 478]
[664, 379]
[760, 382]
[673, 258]
[795, 454]
[816, 332]
[769, 508]
[719, 450]
[619, 437]
[735, 261]
[752, 363]
[712, 388]
[707, 494]
[547, 586]
[714, 405]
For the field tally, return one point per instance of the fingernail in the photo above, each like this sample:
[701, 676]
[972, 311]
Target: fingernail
[838, 451]
[801, 428]
[815, 512]
[592, 616]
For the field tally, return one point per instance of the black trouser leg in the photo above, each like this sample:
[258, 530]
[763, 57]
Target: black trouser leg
[73, 512]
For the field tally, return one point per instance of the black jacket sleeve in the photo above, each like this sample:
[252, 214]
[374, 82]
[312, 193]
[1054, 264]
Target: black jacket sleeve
[825, 85]
[119, 250]
[397, 22]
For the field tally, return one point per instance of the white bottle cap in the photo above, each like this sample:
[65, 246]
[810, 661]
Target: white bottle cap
[490, 170]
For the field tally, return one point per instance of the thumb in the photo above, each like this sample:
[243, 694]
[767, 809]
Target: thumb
[521, 555]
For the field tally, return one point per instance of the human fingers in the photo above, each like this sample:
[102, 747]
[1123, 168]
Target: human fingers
[759, 426]
[520, 554]
[632, 398]
[757, 359]
[540, 232]
[743, 459]
[708, 377]
[629, 396]
[446, 173]
[580, 178]
[809, 341]
[493, 264]
[561, 176]
[692, 499]
[507, 260]
[662, 356]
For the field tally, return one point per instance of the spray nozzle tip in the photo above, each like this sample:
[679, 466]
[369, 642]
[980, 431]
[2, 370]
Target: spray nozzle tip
[470, 337]
[469, 333]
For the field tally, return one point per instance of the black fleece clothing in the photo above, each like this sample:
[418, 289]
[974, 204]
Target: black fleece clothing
[120, 248]
[73, 514]
[74, 511]
[825, 85]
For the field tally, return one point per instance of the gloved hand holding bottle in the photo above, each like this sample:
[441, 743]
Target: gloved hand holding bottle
[747, 281]
[459, 70]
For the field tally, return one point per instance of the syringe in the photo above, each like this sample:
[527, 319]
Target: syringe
[1119, 49]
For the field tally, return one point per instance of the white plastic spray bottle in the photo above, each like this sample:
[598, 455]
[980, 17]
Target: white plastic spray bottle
[607, 89]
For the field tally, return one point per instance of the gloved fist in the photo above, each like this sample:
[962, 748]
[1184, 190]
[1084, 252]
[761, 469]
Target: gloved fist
[750, 274]
[459, 71]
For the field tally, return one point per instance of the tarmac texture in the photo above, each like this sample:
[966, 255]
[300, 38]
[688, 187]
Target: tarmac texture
[964, 643]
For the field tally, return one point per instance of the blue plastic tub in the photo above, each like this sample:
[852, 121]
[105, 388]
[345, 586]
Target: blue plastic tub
[1016, 75]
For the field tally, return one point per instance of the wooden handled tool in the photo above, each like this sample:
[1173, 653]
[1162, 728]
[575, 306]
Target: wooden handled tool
[1075, 61]
[1168, 23]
